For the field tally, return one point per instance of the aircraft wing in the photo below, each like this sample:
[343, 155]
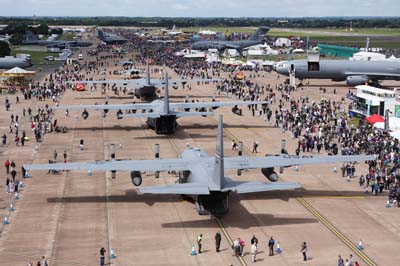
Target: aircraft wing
[156, 82]
[134, 82]
[251, 187]
[123, 165]
[135, 106]
[187, 189]
[266, 162]
[211, 104]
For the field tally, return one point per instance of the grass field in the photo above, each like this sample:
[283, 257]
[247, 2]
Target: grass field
[37, 57]
[67, 37]
[379, 37]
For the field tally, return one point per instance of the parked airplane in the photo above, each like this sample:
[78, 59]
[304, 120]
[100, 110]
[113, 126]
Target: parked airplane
[161, 114]
[353, 72]
[203, 177]
[256, 38]
[9, 62]
[174, 31]
[144, 88]
[57, 43]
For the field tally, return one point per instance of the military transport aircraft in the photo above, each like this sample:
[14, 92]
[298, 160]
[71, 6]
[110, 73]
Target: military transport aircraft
[203, 177]
[161, 114]
[353, 72]
[145, 88]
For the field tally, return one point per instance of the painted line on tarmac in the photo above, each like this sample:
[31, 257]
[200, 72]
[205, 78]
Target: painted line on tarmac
[314, 212]
[220, 224]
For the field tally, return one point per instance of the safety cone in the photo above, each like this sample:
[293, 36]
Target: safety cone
[112, 254]
[11, 209]
[388, 204]
[16, 195]
[360, 246]
[334, 170]
[193, 253]
[5, 220]
[278, 248]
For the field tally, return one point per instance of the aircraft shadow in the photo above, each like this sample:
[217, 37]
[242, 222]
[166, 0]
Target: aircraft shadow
[104, 98]
[127, 128]
[213, 126]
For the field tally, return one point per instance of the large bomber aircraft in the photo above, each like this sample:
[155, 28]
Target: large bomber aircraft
[256, 38]
[9, 62]
[145, 88]
[353, 72]
[203, 177]
[161, 114]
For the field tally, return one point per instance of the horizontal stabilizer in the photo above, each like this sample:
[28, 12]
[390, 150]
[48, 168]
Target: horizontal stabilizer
[251, 187]
[187, 189]
[184, 114]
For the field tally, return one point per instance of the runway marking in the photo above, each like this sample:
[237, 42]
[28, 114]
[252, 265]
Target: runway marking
[313, 211]
[220, 224]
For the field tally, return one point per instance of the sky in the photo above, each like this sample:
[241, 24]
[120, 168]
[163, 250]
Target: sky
[201, 8]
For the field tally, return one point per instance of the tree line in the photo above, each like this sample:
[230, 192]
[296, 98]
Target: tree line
[357, 22]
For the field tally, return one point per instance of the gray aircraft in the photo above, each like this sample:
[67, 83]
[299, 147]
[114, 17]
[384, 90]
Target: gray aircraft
[353, 72]
[203, 177]
[57, 43]
[161, 114]
[144, 88]
[9, 62]
[256, 38]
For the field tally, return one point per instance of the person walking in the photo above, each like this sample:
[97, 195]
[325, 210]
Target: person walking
[304, 250]
[253, 252]
[200, 242]
[254, 240]
[217, 241]
[7, 166]
[255, 146]
[340, 261]
[102, 256]
[271, 244]
[81, 144]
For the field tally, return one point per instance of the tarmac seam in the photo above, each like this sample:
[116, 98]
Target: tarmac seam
[316, 214]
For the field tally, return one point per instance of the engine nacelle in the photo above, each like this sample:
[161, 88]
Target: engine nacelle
[136, 178]
[270, 174]
[356, 80]
[236, 110]
[119, 114]
[85, 114]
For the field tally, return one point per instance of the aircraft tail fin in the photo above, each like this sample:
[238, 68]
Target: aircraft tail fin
[259, 34]
[166, 95]
[218, 174]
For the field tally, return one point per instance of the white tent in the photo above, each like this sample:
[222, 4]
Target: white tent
[394, 124]
[395, 134]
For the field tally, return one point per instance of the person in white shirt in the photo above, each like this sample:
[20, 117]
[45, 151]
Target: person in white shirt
[253, 251]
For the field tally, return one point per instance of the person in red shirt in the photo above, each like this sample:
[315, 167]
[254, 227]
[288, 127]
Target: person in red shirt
[7, 165]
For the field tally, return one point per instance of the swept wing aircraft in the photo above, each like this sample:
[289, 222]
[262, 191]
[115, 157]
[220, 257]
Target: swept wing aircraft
[256, 38]
[203, 177]
[161, 114]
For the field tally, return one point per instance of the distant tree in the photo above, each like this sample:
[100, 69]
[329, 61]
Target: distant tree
[4, 49]
[15, 28]
[16, 38]
[43, 29]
